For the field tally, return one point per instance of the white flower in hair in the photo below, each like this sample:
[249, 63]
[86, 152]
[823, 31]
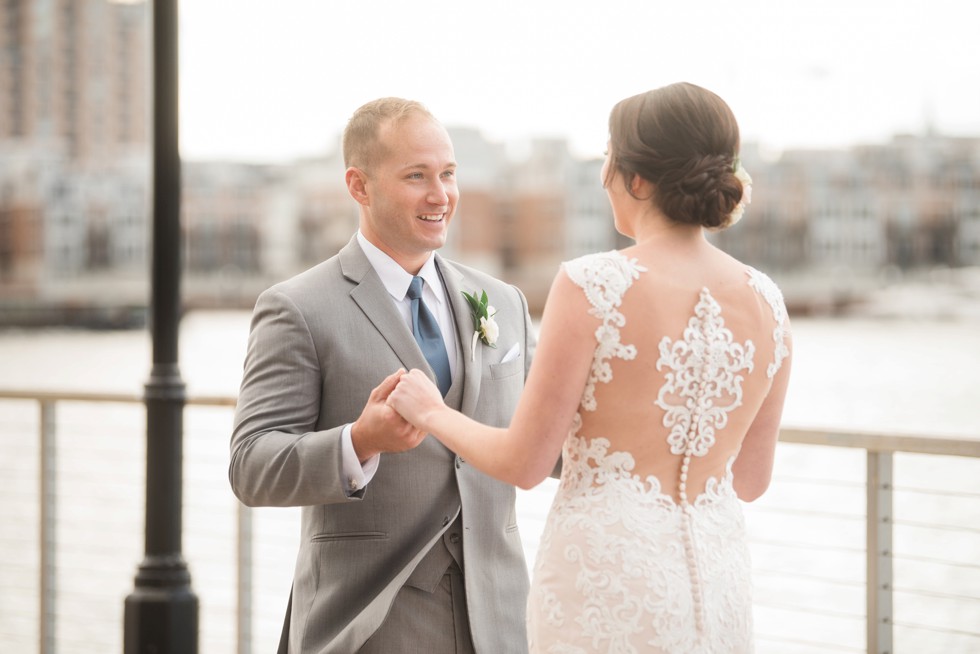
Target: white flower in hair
[746, 180]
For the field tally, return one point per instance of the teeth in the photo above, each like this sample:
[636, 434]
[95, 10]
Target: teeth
[432, 219]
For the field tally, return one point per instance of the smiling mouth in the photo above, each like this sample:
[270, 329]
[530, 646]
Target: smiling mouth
[431, 218]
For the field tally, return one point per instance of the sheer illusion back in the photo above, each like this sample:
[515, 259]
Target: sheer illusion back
[644, 548]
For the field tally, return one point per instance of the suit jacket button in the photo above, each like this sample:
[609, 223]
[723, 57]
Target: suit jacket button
[453, 538]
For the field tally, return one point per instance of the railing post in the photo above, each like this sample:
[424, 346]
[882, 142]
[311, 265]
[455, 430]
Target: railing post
[879, 552]
[244, 576]
[48, 520]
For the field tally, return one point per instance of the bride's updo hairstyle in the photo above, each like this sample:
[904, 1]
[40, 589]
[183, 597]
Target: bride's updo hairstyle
[683, 139]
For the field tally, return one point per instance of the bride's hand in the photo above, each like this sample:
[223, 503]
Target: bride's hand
[415, 398]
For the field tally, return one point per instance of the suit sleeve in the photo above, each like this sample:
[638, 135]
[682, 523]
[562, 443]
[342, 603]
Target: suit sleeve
[278, 458]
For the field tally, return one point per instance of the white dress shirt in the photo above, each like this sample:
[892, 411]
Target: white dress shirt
[396, 281]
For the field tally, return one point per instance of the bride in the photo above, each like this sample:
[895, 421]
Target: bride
[659, 378]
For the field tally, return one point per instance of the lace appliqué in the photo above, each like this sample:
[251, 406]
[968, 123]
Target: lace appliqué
[604, 278]
[622, 567]
[612, 575]
[774, 297]
[704, 384]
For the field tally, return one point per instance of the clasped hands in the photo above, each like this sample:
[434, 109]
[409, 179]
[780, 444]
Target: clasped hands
[394, 414]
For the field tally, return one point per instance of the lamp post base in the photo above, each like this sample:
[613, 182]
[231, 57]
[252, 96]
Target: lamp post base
[161, 618]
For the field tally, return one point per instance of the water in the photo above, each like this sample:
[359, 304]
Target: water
[911, 376]
[881, 375]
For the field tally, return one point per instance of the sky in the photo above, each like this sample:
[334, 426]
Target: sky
[275, 80]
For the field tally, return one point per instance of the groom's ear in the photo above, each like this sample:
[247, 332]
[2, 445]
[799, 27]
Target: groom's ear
[357, 185]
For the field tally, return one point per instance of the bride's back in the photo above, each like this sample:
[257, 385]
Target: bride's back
[691, 350]
[670, 378]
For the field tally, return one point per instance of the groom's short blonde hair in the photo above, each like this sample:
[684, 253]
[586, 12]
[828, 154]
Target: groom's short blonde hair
[362, 145]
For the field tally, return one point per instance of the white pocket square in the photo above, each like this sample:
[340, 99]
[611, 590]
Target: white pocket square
[512, 353]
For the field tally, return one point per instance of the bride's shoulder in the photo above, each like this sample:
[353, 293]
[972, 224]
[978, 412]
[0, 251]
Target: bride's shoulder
[603, 277]
[603, 269]
[769, 290]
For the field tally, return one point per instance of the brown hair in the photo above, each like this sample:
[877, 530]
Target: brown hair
[361, 143]
[684, 140]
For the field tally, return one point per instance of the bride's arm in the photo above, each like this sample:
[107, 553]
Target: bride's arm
[524, 453]
[753, 466]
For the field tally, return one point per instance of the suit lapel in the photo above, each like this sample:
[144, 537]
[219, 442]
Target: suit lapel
[374, 300]
[472, 362]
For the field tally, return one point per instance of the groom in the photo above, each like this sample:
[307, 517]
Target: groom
[404, 547]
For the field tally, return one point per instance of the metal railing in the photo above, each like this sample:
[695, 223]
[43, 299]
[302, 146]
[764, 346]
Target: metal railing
[880, 520]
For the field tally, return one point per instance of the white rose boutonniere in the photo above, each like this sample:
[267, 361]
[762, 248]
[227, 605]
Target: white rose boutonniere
[484, 326]
[746, 180]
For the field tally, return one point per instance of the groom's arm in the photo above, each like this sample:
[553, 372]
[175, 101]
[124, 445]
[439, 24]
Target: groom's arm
[278, 457]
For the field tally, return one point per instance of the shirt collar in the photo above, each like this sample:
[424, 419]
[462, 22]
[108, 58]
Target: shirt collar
[393, 276]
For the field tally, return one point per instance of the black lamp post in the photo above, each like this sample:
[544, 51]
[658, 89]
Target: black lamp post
[161, 615]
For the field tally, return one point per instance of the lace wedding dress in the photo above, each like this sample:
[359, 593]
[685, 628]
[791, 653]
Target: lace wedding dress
[644, 547]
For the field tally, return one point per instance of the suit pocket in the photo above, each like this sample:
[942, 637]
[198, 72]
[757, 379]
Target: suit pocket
[351, 535]
[507, 369]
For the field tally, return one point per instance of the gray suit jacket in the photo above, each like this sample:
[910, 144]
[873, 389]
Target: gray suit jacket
[319, 343]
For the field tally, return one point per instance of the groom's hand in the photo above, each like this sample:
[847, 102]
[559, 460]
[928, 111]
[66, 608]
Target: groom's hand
[379, 427]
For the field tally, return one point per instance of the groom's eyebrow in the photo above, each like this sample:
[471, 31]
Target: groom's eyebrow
[451, 165]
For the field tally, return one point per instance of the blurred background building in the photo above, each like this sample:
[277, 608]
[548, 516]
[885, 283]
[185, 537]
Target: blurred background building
[74, 153]
[73, 156]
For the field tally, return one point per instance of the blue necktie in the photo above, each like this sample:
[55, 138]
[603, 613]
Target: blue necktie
[429, 337]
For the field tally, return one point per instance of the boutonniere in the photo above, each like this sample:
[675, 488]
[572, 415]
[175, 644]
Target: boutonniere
[484, 326]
